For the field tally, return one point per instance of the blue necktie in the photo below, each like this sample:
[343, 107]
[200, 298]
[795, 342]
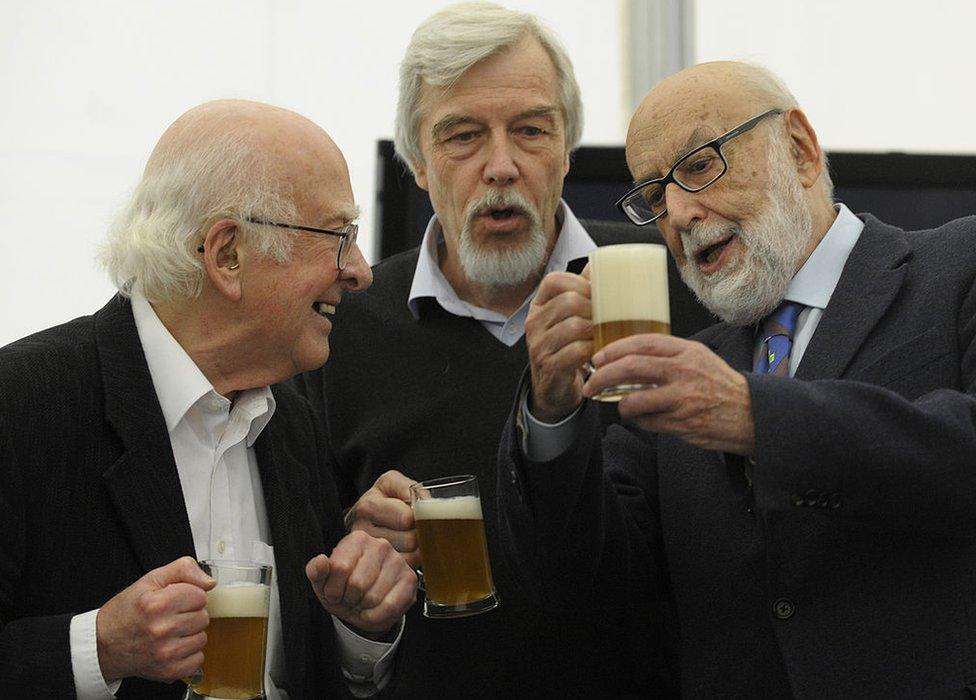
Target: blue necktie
[777, 335]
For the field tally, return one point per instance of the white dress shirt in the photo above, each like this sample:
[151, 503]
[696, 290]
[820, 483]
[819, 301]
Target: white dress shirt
[812, 286]
[428, 281]
[213, 446]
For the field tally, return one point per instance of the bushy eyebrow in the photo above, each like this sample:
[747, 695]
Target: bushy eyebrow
[452, 121]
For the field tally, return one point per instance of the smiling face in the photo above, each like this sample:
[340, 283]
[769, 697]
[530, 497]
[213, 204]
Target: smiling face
[494, 159]
[739, 242]
[287, 305]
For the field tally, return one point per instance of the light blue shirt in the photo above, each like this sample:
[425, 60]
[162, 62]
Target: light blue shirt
[428, 281]
[812, 286]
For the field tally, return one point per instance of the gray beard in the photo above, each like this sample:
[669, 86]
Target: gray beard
[509, 266]
[773, 244]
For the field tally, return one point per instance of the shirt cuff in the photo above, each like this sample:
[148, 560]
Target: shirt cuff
[366, 665]
[544, 442]
[89, 684]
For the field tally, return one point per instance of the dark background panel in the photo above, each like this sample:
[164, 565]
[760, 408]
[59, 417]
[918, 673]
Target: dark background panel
[908, 190]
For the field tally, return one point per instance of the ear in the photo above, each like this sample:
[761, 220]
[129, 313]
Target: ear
[420, 175]
[221, 261]
[566, 165]
[806, 151]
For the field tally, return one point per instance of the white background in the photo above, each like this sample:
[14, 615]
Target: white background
[89, 86]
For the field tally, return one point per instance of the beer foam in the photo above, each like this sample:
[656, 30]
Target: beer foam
[238, 600]
[457, 508]
[629, 282]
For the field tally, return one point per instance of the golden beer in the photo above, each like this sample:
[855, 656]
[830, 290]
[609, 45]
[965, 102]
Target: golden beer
[455, 556]
[611, 331]
[629, 295]
[234, 654]
[451, 533]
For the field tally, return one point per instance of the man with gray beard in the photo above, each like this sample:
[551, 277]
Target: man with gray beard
[803, 474]
[489, 111]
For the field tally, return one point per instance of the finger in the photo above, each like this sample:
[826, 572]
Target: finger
[556, 283]
[184, 569]
[398, 600]
[317, 571]
[402, 541]
[367, 571]
[388, 572]
[383, 511]
[566, 305]
[185, 597]
[342, 563]
[395, 484]
[641, 344]
[630, 369]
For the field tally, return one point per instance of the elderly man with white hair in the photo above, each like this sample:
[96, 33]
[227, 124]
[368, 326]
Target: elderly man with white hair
[803, 472]
[489, 112]
[144, 437]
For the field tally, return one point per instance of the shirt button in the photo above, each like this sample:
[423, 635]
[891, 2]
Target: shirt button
[221, 546]
[783, 609]
[214, 404]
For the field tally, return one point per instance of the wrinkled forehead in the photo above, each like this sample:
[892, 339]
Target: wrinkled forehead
[675, 119]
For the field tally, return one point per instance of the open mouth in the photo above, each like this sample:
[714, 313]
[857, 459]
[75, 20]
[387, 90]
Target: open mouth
[323, 309]
[711, 253]
[502, 214]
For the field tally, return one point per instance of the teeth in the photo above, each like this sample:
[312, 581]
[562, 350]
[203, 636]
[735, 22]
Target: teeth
[323, 308]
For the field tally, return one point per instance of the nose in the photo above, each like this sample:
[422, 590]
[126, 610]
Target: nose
[356, 275]
[500, 168]
[684, 208]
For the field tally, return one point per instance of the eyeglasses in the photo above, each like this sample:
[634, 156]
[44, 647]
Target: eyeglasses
[693, 172]
[347, 236]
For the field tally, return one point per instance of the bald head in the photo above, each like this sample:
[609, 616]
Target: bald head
[227, 158]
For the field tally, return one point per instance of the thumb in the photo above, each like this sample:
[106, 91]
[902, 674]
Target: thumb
[318, 569]
[182, 570]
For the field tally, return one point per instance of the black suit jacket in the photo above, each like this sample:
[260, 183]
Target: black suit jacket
[90, 500]
[848, 568]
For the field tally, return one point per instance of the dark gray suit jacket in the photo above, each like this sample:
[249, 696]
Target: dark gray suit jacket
[848, 568]
[90, 500]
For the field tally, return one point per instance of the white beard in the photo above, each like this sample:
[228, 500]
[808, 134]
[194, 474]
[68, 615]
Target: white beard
[773, 243]
[509, 266]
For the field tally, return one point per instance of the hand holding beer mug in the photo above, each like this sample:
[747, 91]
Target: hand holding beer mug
[629, 292]
[237, 636]
[451, 530]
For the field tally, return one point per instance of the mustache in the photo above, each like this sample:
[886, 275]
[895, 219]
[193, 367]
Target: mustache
[703, 234]
[500, 199]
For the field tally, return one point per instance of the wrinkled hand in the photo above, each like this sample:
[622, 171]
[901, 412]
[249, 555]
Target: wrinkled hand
[697, 396]
[155, 628]
[384, 511]
[559, 337]
[365, 583]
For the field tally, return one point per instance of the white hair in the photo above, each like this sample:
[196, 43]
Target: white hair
[767, 84]
[458, 37]
[220, 173]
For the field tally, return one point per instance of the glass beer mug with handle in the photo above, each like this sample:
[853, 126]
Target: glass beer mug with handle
[629, 295]
[237, 636]
[451, 531]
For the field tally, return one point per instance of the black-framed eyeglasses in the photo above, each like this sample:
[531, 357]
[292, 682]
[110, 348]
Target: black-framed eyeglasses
[347, 236]
[692, 172]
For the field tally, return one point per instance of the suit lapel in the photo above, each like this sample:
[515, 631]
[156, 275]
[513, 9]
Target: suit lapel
[284, 481]
[735, 345]
[871, 279]
[143, 483]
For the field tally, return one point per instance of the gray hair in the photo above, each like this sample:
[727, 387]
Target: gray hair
[153, 242]
[766, 84]
[455, 39]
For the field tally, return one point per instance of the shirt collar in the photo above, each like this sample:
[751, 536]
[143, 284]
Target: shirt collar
[572, 242]
[180, 384]
[815, 282]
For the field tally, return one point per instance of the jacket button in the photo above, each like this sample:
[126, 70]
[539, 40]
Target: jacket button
[783, 609]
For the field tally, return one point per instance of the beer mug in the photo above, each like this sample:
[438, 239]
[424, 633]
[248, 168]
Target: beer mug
[237, 636]
[451, 532]
[629, 295]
